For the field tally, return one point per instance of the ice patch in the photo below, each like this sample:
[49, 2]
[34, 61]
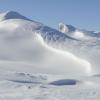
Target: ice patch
[63, 82]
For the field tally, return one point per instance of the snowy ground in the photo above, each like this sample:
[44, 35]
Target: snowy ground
[25, 86]
[30, 69]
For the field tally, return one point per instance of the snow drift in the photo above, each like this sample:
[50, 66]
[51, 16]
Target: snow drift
[24, 49]
[86, 45]
[33, 55]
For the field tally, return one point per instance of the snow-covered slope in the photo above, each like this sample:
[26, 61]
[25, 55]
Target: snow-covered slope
[33, 68]
[23, 49]
[77, 32]
[73, 32]
[87, 45]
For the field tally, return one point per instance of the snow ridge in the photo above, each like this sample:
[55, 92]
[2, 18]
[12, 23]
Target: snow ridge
[12, 15]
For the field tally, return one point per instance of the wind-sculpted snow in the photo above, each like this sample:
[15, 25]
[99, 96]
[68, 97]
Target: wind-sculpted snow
[23, 49]
[77, 33]
[33, 68]
[87, 45]
[33, 55]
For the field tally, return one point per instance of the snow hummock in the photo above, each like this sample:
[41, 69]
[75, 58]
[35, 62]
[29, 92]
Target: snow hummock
[78, 34]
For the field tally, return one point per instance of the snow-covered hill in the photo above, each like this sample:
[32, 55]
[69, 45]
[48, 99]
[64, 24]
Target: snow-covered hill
[35, 57]
[87, 45]
[22, 45]
[77, 32]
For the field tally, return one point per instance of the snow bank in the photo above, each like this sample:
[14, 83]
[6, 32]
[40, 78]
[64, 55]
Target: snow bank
[22, 49]
[31, 53]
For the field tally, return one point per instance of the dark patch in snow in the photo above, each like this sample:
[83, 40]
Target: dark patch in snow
[25, 81]
[64, 82]
[96, 75]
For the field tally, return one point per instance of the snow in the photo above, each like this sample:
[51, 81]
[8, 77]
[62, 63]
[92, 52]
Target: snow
[16, 90]
[12, 15]
[26, 49]
[86, 45]
[66, 28]
[33, 68]
[79, 34]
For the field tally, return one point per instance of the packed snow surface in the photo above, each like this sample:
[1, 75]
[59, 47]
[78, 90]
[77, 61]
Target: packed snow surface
[38, 63]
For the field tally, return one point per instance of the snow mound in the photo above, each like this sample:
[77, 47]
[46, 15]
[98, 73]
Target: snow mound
[78, 34]
[12, 15]
[66, 28]
[23, 49]
[31, 53]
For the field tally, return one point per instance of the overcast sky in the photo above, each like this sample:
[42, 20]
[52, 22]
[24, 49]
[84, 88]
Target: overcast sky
[80, 13]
